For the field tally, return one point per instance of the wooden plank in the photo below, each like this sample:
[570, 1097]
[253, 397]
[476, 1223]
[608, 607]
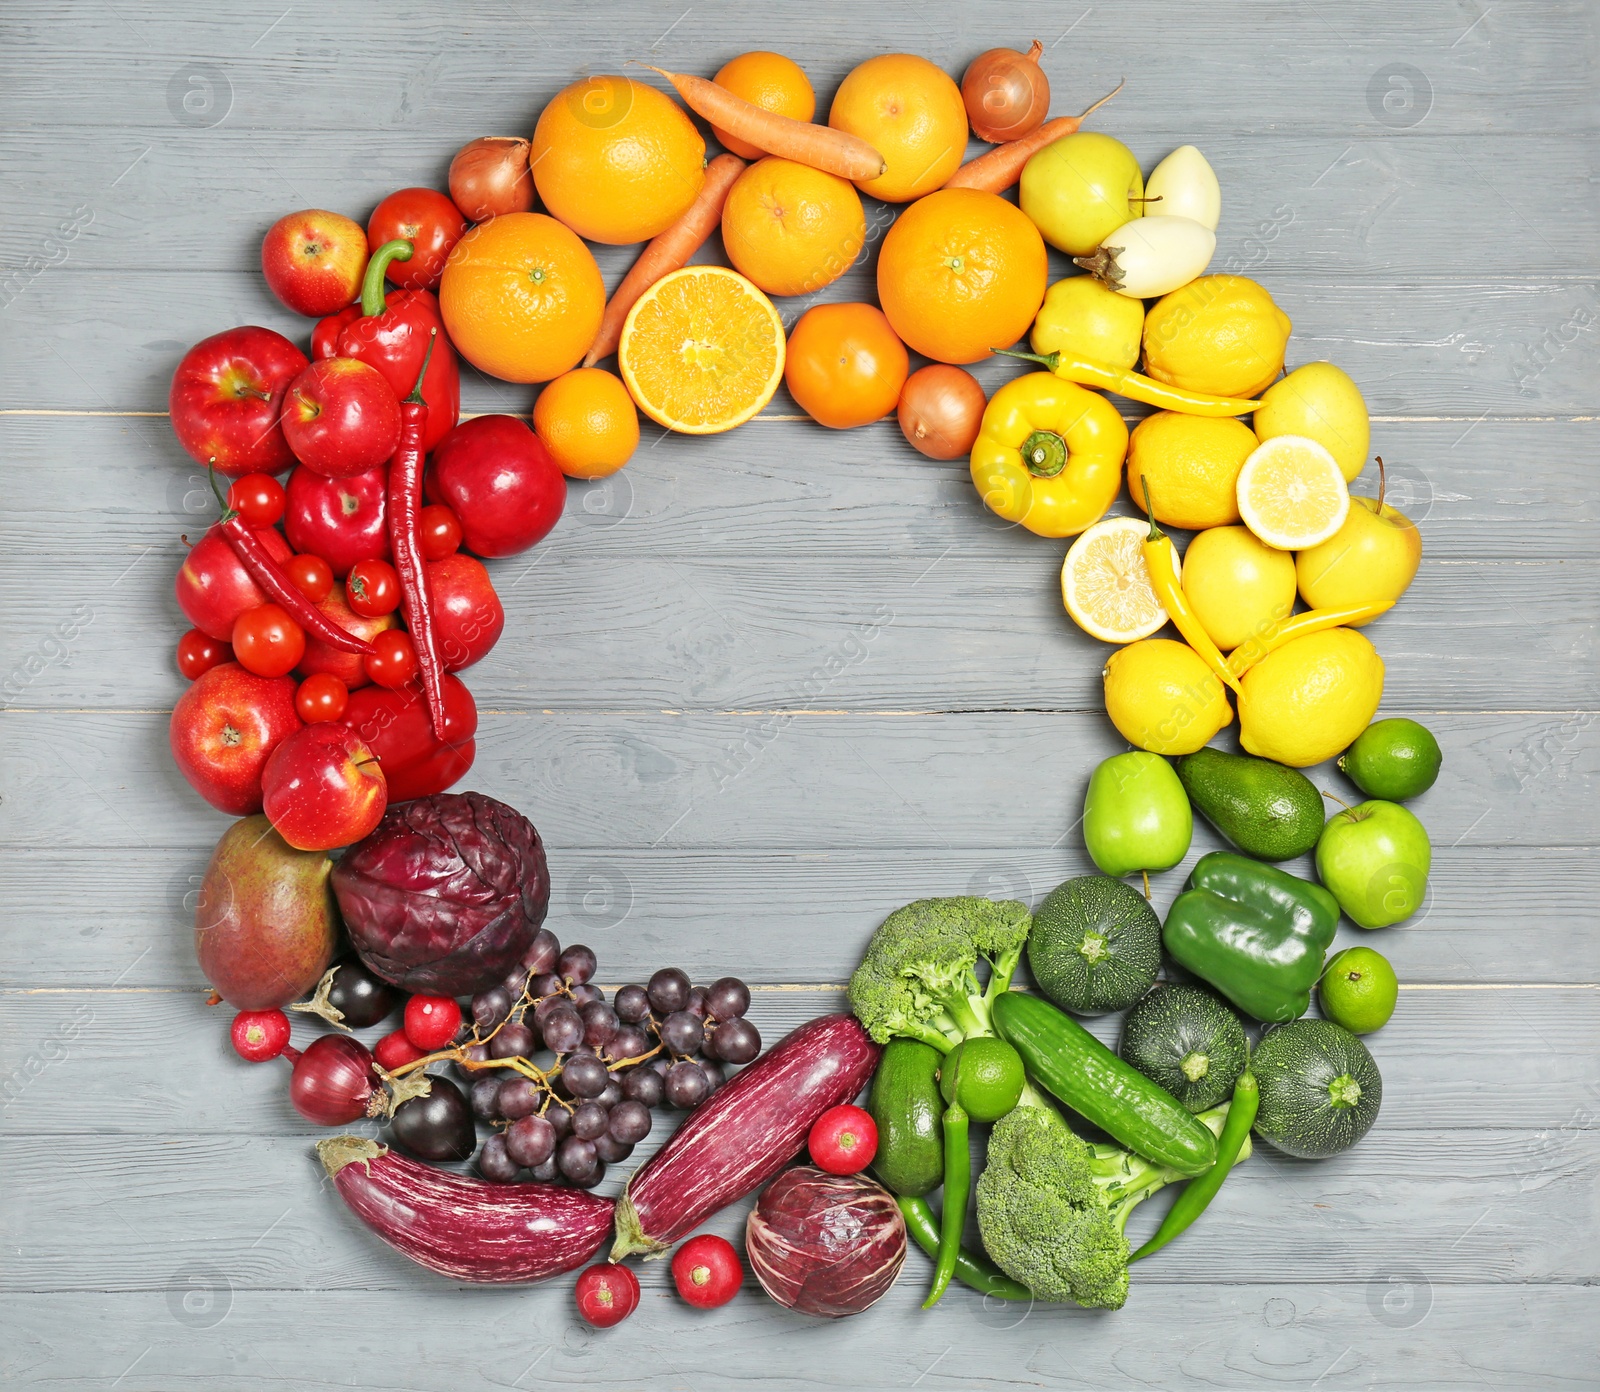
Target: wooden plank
[1453, 1059]
[1418, 347]
[779, 780]
[1334, 204]
[1389, 1332]
[1495, 913]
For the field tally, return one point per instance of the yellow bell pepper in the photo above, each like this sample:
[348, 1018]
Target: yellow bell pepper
[1049, 455]
[1135, 386]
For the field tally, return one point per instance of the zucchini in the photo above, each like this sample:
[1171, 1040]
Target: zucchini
[1186, 1039]
[1095, 945]
[1077, 1068]
[1320, 1089]
[909, 1114]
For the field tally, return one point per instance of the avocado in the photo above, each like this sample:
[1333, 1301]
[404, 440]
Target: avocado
[1267, 810]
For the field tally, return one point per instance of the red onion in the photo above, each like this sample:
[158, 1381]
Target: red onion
[333, 1082]
[826, 1245]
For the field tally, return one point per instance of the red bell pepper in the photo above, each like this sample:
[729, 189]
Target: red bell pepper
[396, 727]
[391, 333]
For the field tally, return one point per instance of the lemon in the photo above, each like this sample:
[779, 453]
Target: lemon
[1192, 464]
[1081, 318]
[1310, 699]
[1162, 697]
[1237, 585]
[1292, 494]
[1219, 333]
[1105, 582]
[1321, 403]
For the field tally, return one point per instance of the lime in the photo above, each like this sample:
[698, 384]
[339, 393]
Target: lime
[1358, 990]
[991, 1077]
[1394, 759]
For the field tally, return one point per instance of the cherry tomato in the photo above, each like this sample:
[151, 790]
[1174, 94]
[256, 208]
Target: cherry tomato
[393, 660]
[372, 588]
[199, 652]
[438, 532]
[321, 696]
[258, 498]
[843, 1140]
[312, 576]
[426, 219]
[267, 641]
[432, 1021]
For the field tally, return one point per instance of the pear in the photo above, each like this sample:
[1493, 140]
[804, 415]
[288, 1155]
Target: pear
[266, 924]
[1320, 402]
[1372, 558]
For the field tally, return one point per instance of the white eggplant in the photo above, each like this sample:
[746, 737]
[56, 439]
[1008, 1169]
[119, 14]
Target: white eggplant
[1184, 185]
[1151, 256]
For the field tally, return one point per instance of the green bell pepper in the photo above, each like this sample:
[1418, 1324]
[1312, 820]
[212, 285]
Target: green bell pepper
[1256, 933]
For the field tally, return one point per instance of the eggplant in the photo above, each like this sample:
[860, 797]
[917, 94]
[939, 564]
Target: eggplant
[748, 1131]
[466, 1229]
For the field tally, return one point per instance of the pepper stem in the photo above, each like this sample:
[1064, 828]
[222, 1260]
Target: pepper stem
[1150, 509]
[416, 391]
[372, 296]
[1045, 454]
[1047, 361]
[228, 513]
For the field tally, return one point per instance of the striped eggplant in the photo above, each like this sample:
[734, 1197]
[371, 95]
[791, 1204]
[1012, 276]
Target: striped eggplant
[466, 1229]
[744, 1134]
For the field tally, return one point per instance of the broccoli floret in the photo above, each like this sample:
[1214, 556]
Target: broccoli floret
[919, 977]
[1052, 1208]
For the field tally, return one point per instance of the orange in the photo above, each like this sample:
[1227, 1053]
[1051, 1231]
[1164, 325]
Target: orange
[790, 228]
[588, 422]
[912, 114]
[615, 160]
[845, 365]
[961, 272]
[770, 81]
[701, 350]
[522, 297]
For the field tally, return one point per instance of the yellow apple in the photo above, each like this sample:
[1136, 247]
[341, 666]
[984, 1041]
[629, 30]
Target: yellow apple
[1320, 402]
[1373, 557]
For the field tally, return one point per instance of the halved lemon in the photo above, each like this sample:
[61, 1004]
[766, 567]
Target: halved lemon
[1292, 493]
[1105, 582]
[701, 350]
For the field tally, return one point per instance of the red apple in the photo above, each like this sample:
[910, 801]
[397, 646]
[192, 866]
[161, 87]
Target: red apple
[214, 588]
[502, 483]
[223, 729]
[322, 787]
[313, 261]
[341, 417]
[349, 667]
[227, 396]
[467, 615]
[342, 520]
[396, 727]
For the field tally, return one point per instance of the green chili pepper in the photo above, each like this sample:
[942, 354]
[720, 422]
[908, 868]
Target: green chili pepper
[971, 1269]
[957, 1185]
[1199, 1192]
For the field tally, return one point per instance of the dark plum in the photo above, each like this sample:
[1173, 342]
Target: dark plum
[360, 996]
[437, 1126]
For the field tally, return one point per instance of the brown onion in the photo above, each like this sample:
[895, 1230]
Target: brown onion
[941, 408]
[490, 176]
[1006, 93]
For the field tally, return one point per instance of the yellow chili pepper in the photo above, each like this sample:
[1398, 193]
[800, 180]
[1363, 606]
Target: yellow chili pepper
[1049, 455]
[1253, 649]
[1135, 386]
[1162, 559]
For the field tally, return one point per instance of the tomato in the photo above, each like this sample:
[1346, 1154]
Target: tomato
[312, 576]
[845, 365]
[372, 588]
[430, 222]
[199, 652]
[321, 696]
[438, 532]
[393, 660]
[258, 498]
[267, 641]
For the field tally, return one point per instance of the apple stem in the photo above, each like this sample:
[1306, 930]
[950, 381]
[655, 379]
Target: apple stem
[1383, 482]
[1335, 796]
[1146, 875]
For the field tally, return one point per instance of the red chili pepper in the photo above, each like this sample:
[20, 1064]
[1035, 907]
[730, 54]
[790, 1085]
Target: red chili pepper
[272, 578]
[394, 333]
[405, 502]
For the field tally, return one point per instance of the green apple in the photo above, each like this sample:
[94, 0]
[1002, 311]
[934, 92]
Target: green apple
[1078, 190]
[1375, 857]
[1136, 815]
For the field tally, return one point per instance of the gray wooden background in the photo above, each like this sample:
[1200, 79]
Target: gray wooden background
[1415, 185]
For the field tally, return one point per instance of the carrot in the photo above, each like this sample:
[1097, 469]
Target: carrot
[998, 169]
[669, 251]
[805, 142]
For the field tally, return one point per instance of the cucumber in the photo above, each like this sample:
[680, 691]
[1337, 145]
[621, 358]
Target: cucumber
[1320, 1089]
[1189, 1041]
[909, 1114]
[1077, 1068]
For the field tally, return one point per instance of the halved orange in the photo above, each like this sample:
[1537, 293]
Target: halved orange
[702, 350]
